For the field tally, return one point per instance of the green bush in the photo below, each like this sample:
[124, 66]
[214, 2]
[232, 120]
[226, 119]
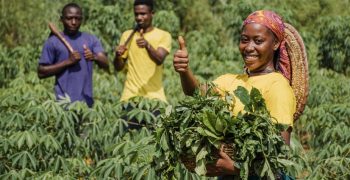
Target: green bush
[335, 44]
[41, 138]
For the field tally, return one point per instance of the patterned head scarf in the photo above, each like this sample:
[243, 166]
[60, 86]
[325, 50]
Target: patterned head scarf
[274, 22]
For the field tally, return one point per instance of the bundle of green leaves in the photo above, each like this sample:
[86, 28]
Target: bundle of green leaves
[199, 125]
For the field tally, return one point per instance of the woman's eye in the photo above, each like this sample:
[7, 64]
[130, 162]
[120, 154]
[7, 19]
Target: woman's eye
[259, 41]
[244, 39]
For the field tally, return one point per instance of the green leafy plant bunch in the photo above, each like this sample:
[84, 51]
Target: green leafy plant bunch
[197, 128]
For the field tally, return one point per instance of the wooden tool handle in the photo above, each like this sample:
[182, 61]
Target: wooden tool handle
[136, 27]
[129, 38]
[59, 35]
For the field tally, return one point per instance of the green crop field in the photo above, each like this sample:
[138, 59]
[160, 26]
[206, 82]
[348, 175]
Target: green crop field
[44, 139]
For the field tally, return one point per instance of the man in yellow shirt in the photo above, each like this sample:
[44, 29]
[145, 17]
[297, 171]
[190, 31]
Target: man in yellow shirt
[143, 51]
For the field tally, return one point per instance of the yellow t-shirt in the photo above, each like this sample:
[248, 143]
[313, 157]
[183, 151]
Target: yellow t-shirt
[274, 87]
[144, 76]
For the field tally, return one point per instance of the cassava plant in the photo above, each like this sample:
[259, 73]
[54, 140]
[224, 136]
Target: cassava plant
[199, 125]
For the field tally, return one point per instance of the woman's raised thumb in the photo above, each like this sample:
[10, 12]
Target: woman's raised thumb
[182, 43]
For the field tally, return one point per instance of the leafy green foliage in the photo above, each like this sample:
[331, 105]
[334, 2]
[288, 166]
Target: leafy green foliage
[324, 124]
[44, 139]
[335, 44]
[19, 20]
[197, 127]
[41, 138]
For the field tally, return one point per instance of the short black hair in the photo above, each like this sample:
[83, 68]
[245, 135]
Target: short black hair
[148, 3]
[70, 5]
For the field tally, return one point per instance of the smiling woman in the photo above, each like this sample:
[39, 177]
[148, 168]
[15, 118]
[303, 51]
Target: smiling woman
[255, 47]
[268, 68]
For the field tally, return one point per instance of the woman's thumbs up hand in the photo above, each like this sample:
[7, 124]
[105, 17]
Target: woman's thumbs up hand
[181, 60]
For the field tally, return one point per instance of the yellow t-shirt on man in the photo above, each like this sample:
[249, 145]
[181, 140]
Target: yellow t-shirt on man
[274, 87]
[144, 76]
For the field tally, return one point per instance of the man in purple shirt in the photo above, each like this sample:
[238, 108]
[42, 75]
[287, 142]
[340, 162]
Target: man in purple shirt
[73, 71]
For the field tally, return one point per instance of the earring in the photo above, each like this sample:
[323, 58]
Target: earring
[246, 70]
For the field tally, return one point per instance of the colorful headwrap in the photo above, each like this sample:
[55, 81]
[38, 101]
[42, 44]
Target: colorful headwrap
[274, 22]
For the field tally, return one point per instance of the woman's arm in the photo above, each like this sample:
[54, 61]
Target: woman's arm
[181, 65]
[286, 135]
[223, 166]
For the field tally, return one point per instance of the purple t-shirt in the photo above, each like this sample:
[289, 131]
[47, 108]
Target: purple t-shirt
[76, 80]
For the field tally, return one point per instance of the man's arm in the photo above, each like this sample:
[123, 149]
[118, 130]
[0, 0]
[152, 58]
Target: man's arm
[119, 61]
[45, 71]
[100, 58]
[102, 61]
[157, 55]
